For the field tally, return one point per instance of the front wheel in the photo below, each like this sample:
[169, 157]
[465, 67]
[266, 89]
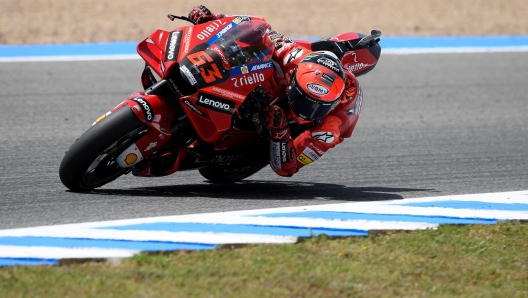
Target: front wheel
[91, 160]
[228, 174]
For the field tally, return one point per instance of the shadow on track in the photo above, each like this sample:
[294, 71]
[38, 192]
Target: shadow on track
[266, 190]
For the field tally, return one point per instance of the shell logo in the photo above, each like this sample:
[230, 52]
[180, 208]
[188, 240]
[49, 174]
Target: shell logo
[244, 69]
[131, 158]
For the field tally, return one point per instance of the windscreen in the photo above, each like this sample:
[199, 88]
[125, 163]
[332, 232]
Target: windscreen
[246, 43]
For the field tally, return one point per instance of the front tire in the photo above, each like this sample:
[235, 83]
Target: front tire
[91, 160]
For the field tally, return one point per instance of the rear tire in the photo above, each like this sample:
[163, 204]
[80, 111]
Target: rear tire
[228, 174]
[91, 160]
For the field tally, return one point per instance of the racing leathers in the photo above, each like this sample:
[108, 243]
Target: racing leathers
[288, 154]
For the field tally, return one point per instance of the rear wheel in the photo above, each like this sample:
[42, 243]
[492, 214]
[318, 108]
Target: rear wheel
[91, 160]
[228, 174]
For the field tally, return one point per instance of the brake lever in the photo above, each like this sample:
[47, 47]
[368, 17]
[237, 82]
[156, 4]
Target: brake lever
[173, 17]
[374, 36]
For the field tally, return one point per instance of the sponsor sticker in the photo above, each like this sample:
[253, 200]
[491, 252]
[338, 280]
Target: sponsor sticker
[328, 78]
[150, 146]
[310, 153]
[241, 19]
[210, 29]
[101, 118]
[261, 66]
[222, 56]
[215, 103]
[323, 136]
[148, 112]
[305, 160]
[356, 108]
[284, 152]
[229, 158]
[193, 108]
[294, 54]
[275, 155]
[250, 79]
[188, 74]
[131, 158]
[228, 93]
[329, 63]
[187, 40]
[317, 89]
[173, 46]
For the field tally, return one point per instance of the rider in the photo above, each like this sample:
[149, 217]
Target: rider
[321, 94]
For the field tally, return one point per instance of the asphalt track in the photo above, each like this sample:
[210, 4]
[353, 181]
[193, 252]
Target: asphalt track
[431, 125]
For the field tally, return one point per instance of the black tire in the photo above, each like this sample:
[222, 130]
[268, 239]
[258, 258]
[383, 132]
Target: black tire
[228, 174]
[90, 161]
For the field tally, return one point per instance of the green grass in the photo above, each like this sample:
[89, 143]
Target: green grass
[453, 261]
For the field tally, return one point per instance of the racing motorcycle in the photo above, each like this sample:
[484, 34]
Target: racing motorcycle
[200, 107]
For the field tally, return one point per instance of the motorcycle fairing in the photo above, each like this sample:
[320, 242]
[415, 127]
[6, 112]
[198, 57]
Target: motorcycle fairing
[158, 45]
[212, 108]
[157, 115]
[357, 61]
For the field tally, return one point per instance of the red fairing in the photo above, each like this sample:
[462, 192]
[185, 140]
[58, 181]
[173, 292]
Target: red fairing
[346, 36]
[157, 115]
[358, 61]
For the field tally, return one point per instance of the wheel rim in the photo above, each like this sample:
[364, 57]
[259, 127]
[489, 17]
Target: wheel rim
[104, 168]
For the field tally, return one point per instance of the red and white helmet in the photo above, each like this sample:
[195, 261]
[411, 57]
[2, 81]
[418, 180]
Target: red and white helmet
[317, 86]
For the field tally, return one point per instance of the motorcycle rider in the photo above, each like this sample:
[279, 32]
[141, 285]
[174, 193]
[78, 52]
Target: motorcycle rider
[321, 94]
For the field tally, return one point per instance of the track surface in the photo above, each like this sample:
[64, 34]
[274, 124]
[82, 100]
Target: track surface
[431, 125]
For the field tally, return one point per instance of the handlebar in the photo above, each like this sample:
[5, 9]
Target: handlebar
[172, 17]
[374, 36]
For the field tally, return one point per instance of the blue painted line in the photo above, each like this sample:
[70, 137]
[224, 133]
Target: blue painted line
[241, 229]
[470, 205]
[110, 48]
[129, 48]
[97, 243]
[382, 217]
[27, 262]
[453, 42]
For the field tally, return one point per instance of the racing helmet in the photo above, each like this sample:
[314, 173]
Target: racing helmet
[316, 86]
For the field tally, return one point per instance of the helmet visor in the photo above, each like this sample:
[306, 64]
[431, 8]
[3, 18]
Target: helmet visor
[306, 107]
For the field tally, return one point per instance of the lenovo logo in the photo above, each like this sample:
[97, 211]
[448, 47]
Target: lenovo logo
[215, 103]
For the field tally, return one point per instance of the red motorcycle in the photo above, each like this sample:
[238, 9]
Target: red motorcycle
[200, 107]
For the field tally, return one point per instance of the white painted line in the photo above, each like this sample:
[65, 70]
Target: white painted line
[106, 231]
[452, 50]
[69, 58]
[135, 235]
[44, 252]
[362, 207]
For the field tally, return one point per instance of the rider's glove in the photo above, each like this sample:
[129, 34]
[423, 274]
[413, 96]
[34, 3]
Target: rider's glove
[275, 120]
[201, 14]
[261, 95]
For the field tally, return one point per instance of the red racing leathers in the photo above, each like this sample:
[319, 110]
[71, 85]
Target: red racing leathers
[288, 155]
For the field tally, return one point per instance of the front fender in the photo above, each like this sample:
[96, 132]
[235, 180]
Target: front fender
[157, 114]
